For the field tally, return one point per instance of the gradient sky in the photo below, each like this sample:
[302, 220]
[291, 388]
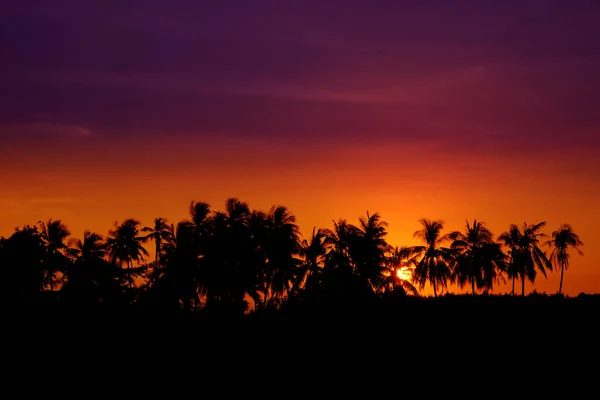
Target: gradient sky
[438, 109]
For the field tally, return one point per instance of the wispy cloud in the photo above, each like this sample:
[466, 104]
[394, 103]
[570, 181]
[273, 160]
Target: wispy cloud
[44, 130]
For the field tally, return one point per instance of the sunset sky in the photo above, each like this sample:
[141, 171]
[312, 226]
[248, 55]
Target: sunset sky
[441, 109]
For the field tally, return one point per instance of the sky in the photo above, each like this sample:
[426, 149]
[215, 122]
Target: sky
[447, 110]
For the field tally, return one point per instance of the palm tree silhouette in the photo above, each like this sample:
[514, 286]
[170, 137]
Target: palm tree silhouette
[160, 233]
[525, 255]
[563, 239]
[338, 271]
[125, 245]
[87, 274]
[54, 234]
[91, 248]
[511, 239]
[400, 258]
[313, 253]
[373, 250]
[479, 260]
[282, 246]
[434, 265]
[229, 275]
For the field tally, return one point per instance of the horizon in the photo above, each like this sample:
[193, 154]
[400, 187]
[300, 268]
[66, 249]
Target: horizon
[454, 111]
[542, 284]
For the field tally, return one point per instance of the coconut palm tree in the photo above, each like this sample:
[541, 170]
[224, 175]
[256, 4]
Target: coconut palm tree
[229, 275]
[159, 233]
[526, 257]
[372, 249]
[434, 265]
[282, 248]
[125, 246]
[399, 267]
[89, 272]
[562, 240]
[91, 248]
[313, 253]
[338, 270]
[55, 235]
[479, 260]
[511, 239]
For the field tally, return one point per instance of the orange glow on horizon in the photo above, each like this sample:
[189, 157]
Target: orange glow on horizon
[318, 184]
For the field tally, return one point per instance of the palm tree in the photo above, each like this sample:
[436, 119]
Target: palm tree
[434, 265]
[200, 214]
[54, 234]
[125, 245]
[91, 248]
[525, 255]
[159, 233]
[282, 246]
[313, 253]
[372, 249]
[338, 271]
[563, 239]
[511, 239]
[227, 272]
[87, 274]
[180, 279]
[401, 259]
[479, 261]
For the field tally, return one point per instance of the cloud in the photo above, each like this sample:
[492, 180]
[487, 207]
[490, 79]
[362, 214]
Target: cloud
[45, 130]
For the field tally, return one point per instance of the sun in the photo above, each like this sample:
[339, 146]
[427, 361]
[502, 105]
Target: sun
[404, 273]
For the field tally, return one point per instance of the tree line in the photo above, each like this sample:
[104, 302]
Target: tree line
[239, 260]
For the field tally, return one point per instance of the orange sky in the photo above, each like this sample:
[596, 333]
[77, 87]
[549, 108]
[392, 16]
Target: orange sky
[100, 183]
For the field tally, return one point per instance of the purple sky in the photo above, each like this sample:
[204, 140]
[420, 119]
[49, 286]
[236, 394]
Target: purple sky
[488, 72]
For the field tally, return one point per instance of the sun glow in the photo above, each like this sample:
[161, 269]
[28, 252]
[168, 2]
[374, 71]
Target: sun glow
[404, 273]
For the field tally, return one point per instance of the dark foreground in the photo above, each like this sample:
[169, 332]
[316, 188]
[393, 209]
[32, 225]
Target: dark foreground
[432, 346]
[407, 316]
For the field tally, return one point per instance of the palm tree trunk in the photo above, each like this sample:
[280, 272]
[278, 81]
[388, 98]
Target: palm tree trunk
[513, 286]
[473, 286]
[434, 289]
[130, 278]
[523, 284]
[157, 255]
[562, 271]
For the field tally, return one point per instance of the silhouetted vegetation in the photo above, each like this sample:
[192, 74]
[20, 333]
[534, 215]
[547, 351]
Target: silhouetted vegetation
[249, 264]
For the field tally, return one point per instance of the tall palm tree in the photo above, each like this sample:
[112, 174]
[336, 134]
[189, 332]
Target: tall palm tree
[160, 233]
[200, 214]
[338, 271]
[313, 253]
[125, 246]
[434, 265]
[91, 248]
[229, 275]
[55, 235]
[371, 254]
[401, 259]
[479, 260]
[86, 275]
[197, 269]
[180, 277]
[511, 239]
[562, 240]
[282, 248]
[526, 257]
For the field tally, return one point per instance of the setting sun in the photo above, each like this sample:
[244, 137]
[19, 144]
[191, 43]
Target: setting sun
[404, 273]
